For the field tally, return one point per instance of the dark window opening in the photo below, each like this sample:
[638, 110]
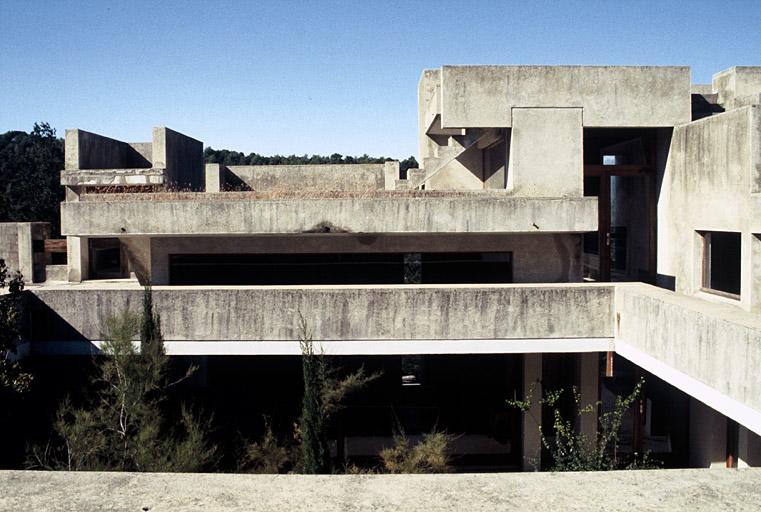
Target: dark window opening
[412, 370]
[721, 263]
[106, 260]
[359, 268]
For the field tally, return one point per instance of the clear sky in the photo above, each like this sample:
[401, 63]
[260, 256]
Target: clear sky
[319, 77]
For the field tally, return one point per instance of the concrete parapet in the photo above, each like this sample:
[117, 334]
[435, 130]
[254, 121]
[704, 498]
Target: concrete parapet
[181, 156]
[346, 313]
[85, 150]
[318, 177]
[476, 213]
[716, 344]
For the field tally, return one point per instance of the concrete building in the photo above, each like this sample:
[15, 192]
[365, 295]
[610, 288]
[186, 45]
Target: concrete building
[570, 226]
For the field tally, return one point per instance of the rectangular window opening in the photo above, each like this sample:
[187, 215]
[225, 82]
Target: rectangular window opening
[722, 256]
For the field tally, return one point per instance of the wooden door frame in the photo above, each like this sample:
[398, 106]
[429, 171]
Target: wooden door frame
[604, 173]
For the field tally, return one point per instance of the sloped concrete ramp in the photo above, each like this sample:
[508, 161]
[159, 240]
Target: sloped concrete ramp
[693, 490]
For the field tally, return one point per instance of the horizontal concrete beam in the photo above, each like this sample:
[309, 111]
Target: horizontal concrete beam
[696, 490]
[710, 351]
[402, 312]
[206, 214]
[344, 348]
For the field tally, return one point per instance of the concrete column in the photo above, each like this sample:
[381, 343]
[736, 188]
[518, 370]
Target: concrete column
[708, 436]
[532, 419]
[748, 449]
[215, 178]
[78, 257]
[390, 175]
[589, 387]
[25, 252]
[751, 287]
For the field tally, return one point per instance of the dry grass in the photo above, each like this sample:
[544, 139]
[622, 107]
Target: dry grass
[278, 194]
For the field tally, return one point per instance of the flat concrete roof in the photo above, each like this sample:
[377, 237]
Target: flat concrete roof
[657, 490]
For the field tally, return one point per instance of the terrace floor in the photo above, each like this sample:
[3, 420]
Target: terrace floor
[685, 489]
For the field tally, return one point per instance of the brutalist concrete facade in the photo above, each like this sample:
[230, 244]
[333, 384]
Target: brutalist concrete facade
[547, 177]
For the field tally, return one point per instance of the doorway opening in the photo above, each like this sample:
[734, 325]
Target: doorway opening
[620, 170]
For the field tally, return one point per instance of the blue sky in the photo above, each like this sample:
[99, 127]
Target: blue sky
[319, 77]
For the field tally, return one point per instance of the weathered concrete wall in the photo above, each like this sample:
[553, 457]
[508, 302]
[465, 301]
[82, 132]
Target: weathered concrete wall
[334, 313]
[716, 344]
[483, 212]
[9, 245]
[85, 150]
[17, 248]
[736, 82]
[484, 96]
[537, 258]
[181, 156]
[696, 490]
[429, 106]
[546, 153]
[354, 177]
[713, 167]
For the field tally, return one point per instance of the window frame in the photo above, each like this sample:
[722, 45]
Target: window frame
[705, 266]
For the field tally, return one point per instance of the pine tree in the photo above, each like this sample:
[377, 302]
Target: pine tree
[126, 426]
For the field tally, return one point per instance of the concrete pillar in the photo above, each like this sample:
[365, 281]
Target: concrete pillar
[748, 449]
[708, 436]
[78, 258]
[215, 178]
[25, 251]
[532, 419]
[751, 287]
[390, 174]
[589, 387]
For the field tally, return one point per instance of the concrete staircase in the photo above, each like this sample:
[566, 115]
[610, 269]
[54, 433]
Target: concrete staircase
[456, 146]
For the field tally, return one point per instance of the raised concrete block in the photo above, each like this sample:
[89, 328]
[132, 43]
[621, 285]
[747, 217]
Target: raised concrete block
[546, 153]
[181, 156]
[214, 178]
[484, 96]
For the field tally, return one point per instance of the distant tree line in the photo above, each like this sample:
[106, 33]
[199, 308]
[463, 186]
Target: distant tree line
[227, 157]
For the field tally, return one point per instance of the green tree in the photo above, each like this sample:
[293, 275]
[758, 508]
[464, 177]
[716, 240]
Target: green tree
[126, 426]
[323, 397]
[570, 450]
[30, 165]
[13, 379]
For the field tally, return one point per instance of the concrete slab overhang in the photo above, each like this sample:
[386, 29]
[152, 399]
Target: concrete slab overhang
[710, 351]
[225, 213]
